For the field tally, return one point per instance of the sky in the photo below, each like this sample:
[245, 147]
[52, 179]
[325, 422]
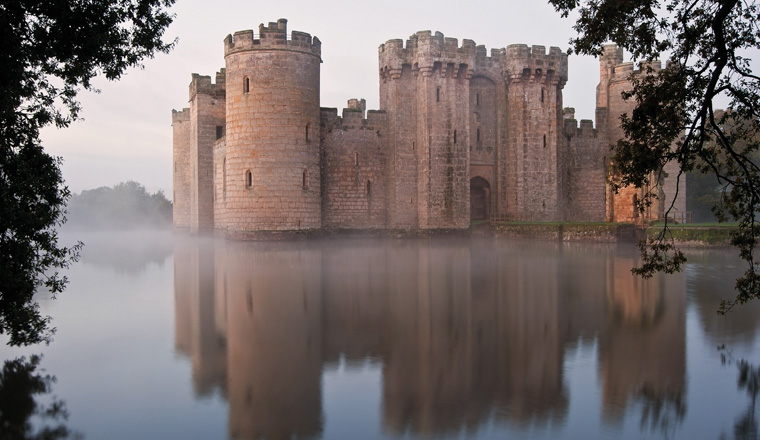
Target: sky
[126, 133]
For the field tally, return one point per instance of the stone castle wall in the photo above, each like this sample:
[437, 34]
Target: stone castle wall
[354, 169]
[585, 165]
[462, 134]
[615, 78]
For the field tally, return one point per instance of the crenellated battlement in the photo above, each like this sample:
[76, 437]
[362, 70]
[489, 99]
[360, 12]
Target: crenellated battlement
[623, 71]
[532, 63]
[586, 129]
[426, 51]
[181, 115]
[612, 55]
[272, 37]
[201, 84]
[353, 119]
[613, 68]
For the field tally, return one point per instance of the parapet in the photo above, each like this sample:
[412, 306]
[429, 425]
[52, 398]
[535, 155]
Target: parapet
[358, 104]
[586, 129]
[612, 54]
[612, 60]
[425, 48]
[221, 77]
[201, 84]
[524, 63]
[180, 116]
[353, 119]
[272, 37]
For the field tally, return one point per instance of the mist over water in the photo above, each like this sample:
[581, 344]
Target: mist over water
[164, 336]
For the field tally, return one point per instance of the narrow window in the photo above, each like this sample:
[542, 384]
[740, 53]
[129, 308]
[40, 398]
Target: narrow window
[413, 146]
[544, 141]
[477, 136]
[542, 94]
[356, 159]
[308, 126]
[455, 136]
[305, 179]
[248, 179]
[369, 188]
[477, 99]
[246, 85]
[437, 94]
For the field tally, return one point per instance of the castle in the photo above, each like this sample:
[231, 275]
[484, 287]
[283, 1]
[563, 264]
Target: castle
[461, 135]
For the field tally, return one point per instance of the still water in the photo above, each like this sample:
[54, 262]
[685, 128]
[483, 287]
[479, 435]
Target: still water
[173, 338]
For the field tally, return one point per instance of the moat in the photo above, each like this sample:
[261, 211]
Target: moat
[172, 337]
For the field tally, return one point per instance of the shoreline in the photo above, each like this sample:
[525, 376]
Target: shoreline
[684, 235]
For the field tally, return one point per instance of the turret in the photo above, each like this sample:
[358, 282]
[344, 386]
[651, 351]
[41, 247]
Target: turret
[207, 102]
[535, 80]
[272, 175]
[181, 168]
[425, 89]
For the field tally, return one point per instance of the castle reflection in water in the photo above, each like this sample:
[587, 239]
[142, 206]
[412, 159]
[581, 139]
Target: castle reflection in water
[466, 331]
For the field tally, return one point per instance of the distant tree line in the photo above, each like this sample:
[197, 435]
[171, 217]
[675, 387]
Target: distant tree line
[702, 193]
[127, 205]
[706, 193]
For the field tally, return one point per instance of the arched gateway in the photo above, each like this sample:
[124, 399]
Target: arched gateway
[480, 199]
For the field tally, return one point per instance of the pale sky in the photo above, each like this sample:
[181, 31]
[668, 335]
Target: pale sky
[126, 133]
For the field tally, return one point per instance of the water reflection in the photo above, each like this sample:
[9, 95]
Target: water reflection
[127, 252]
[468, 332]
[707, 274]
[24, 413]
[748, 379]
[642, 347]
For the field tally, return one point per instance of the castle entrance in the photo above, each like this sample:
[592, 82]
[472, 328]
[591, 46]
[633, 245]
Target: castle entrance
[480, 199]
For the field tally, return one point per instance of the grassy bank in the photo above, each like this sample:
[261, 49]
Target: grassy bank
[692, 234]
[599, 232]
[698, 234]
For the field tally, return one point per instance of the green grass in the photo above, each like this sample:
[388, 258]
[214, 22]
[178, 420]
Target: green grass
[707, 233]
[590, 224]
[697, 225]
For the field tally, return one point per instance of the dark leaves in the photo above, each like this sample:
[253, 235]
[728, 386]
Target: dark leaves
[674, 119]
[50, 50]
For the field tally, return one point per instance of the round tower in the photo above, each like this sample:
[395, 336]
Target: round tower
[271, 165]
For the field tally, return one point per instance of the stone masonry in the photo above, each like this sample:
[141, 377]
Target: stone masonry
[462, 134]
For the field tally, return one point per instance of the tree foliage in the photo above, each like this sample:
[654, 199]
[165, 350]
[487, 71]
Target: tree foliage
[127, 205]
[50, 51]
[675, 118]
[22, 390]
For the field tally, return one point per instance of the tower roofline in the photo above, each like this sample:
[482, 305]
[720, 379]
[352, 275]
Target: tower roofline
[272, 37]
